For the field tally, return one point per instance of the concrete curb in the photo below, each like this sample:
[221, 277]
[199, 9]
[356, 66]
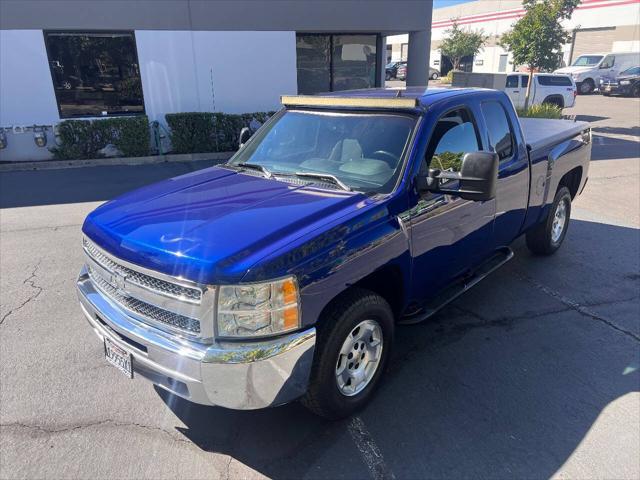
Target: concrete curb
[103, 162]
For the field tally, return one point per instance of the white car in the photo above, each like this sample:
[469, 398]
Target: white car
[587, 70]
[559, 90]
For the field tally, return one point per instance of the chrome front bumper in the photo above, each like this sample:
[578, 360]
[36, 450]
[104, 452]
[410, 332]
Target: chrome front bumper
[245, 376]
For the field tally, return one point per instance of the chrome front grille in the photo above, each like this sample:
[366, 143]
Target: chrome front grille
[144, 309]
[168, 303]
[146, 281]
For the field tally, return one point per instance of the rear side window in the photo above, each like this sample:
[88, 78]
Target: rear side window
[550, 80]
[512, 81]
[525, 81]
[499, 129]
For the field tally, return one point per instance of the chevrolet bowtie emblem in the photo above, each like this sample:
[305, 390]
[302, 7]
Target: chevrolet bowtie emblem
[118, 280]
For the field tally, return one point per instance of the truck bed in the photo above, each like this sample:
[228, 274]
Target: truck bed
[544, 132]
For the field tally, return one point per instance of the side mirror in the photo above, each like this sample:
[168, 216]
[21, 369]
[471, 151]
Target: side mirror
[245, 135]
[477, 177]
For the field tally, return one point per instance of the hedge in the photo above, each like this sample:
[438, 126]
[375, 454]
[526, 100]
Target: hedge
[200, 132]
[80, 139]
[541, 110]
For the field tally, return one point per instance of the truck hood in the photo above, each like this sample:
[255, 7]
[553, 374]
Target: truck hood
[573, 70]
[211, 226]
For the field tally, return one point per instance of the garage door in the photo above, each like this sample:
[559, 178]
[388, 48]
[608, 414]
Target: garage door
[593, 40]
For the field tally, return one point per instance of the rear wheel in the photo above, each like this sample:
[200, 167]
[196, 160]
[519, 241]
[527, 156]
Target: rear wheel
[434, 76]
[352, 349]
[547, 237]
[635, 91]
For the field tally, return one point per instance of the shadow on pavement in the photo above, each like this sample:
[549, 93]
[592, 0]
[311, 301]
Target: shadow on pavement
[87, 184]
[503, 383]
[590, 118]
[607, 148]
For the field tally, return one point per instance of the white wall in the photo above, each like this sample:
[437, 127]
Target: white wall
[26, 92]
[250, 70]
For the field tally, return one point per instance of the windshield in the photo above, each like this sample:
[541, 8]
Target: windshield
[362, 150]
[631, 71]
[587, 60]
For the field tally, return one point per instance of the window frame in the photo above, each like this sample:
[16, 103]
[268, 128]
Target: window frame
[514, 143]
[45, 34]
[379, 56]
[474, 123]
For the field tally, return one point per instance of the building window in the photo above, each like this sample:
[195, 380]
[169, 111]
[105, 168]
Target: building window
[336, 62]
[95, 74]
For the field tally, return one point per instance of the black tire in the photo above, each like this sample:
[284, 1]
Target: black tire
[387, 76]
[323, 396]
[540, 239]
[587, 87]
[635, 91]
[434, 76]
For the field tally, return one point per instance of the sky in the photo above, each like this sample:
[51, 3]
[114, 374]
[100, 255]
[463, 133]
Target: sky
[447, 3]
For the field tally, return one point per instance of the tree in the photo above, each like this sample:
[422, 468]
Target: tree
[459, 43]
[536, 39]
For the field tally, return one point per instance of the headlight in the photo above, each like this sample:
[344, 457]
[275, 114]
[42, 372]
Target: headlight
[258, 309]
[624, 82]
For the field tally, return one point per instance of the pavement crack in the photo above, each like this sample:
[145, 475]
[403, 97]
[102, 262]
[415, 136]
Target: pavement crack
[573, 305]
[95, 424]
[227, 471]
[37, 290]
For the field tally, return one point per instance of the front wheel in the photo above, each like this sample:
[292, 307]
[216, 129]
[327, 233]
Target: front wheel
[587, 86]
[434, 76]
[547, 237]
[352, 349]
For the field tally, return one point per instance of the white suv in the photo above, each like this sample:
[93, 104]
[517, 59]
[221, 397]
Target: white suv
[559, 90]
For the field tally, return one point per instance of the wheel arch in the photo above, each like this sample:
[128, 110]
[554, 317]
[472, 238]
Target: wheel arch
[571, 180]
[555, 99]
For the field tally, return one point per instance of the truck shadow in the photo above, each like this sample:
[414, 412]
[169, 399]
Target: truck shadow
[503, 383]
[87, 184]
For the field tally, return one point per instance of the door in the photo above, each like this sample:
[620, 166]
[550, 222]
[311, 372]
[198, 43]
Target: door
[449, 235]
[607, 68]
[512, 89]
[512, 192]
[502, 63]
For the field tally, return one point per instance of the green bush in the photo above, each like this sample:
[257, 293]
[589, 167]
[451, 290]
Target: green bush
[200, 132]
[542, 110]
[448, 78]
[80, 139]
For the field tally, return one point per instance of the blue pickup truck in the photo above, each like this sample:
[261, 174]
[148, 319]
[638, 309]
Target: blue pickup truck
[283, 273]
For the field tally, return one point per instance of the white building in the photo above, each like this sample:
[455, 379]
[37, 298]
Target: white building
[70, 59]
[598, 25]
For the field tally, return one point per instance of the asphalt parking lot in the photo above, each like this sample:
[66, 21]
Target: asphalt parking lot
[535, 373]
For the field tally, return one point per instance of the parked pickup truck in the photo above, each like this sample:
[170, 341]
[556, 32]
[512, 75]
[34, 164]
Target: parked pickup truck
[283, 273]
[559, 90]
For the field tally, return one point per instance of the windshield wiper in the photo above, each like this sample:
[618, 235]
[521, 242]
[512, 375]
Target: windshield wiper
[324, 177]
[255, 166]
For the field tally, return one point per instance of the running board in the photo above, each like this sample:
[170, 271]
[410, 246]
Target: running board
[501, 257]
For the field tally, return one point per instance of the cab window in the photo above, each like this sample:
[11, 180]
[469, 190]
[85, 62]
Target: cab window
[454, 135]
[500, 134]
[512, 81]
[608, 62]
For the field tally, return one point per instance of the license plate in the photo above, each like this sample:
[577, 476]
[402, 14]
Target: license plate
[118, 357]
[607, 88]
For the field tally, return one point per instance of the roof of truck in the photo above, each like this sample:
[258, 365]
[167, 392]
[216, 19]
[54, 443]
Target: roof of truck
[410, 97]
